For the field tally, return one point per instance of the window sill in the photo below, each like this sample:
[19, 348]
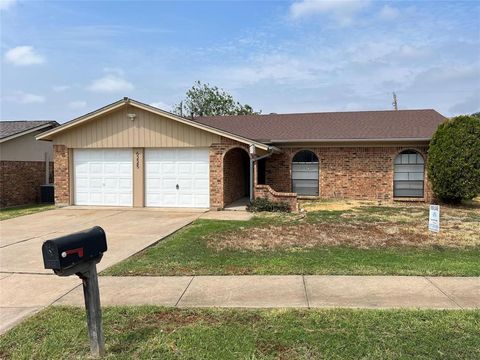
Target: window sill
[410, 199]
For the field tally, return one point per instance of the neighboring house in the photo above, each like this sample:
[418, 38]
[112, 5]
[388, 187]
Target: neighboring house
[132, 154]
[25, 164]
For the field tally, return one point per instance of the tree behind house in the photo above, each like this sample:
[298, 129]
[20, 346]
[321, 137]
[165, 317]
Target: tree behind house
[206, 100]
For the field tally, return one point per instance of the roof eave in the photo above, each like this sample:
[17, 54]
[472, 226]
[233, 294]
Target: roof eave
[26, 132]
[82, 119]
[199, 125]
[284, 141]
[77, 121]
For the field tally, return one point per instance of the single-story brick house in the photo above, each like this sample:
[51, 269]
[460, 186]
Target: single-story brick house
[25, 164]
[132, 154]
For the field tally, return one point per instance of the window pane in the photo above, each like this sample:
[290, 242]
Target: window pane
[408, 193]
[305, 187]
[408, 185]
[409, 168]
[305, 175]
[400, 176]
[305, 156]
[305, 167]
[408, 175]
[414, 176]
[305, 183]
[305, 171]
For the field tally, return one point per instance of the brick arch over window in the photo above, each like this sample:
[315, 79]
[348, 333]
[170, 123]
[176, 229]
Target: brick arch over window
[409, 174]
[305, 180]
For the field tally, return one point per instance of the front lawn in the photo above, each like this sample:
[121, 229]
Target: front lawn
[170, 333]
[360, 240]
[12, 212]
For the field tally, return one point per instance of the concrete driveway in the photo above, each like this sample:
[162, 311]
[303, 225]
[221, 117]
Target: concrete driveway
[25, 287]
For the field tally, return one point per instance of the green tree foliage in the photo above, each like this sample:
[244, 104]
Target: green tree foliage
[454, 159]
[206, 100]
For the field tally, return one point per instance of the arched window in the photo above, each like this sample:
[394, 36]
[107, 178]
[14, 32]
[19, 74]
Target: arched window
[305, 173]
[408, 174]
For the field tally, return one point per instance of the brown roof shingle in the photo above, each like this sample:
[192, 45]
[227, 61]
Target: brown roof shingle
[9, 128]
[334, 126]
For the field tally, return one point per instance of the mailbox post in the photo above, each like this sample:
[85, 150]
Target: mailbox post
[91, 295]
[79, 254]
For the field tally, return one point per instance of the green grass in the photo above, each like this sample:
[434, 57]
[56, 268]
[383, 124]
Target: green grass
[166, 333]
[12, 212]
[187, 253]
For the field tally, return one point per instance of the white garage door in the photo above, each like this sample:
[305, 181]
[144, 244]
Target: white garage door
[177, 178]
[103, 177]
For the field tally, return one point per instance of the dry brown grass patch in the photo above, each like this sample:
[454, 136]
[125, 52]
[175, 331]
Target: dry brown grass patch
[334, 205]
[362, 225]
[304, 236]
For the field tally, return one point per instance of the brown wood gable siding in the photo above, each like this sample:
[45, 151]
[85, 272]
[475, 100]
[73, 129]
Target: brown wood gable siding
[116, 130]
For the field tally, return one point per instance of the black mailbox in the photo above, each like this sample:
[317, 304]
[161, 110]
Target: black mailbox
[72, 254]
[79, 254]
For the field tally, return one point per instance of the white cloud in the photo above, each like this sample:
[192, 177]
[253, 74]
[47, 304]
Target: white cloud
[389, 51]
[77, 104]
[61, 88]
[279, 68]
[114, 71]
[388, 13]
[6, 4]
[343, 11]
[23, 55]
[21, 97]
[307, 67]
[160, 105]
[407, 52]
[111, 83]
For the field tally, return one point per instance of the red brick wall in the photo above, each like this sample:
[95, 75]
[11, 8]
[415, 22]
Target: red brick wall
[265, 191]
[20, 182]
[345, 172]
[62, 175]
[277, 171]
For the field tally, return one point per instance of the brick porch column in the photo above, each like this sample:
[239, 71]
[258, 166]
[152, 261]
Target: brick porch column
[61, 175]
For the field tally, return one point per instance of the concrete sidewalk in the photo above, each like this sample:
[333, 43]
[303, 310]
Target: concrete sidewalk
[287, 291]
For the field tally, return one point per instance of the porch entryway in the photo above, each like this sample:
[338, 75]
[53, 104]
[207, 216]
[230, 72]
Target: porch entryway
[236, 177]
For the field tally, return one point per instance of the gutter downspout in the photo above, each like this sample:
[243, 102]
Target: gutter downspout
[252, 162]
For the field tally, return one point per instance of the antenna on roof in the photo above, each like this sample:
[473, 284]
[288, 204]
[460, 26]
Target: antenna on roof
[395, 103]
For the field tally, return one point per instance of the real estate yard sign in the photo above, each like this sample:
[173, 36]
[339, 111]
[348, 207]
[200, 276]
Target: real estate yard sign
[434, 218]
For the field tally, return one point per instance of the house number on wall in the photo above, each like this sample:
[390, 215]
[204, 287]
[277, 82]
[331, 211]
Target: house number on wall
[138, 159]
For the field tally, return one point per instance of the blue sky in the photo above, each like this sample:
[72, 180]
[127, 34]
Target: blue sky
[61, 59]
